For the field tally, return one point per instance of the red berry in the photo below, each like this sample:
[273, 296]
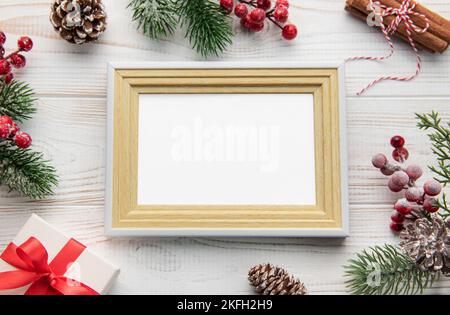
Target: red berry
[289, 31]
[281, 14]
[241, 10]
[256, 27]
[397, 141]
[379, 160]
[4, 131]
[9, 77]
[25, 43]
[414, 171]
[432, 187]
[400, 178]
[400, 154]
[6, 120]
[283, 3]
[393, 187]
[246, 22]
[397, 217]
[5, 67]
[414, 194]
[227, 5]
[23, 140]
[18, 61]
[431, 205]
[2, 38]
[388, 169]
[2, 51]
[257, 16]
[396, 227]
[403, 206]
[264, 4]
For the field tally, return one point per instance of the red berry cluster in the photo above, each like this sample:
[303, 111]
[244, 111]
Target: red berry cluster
[418, 201]
[15, 59]
[254, 19]
[10, 133]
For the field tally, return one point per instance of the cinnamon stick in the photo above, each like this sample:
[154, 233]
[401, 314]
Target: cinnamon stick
[360, 15]
[439, 26]
[428, 40]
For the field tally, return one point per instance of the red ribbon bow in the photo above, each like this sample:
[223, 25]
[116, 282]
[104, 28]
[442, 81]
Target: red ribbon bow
[31, 260]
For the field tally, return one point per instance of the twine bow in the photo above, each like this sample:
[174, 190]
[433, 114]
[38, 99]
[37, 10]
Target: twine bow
[402, 15]
[31, 261]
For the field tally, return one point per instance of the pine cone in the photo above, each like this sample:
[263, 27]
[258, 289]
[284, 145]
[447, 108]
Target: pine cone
[428, 244]
[271, 280]
[78, 21]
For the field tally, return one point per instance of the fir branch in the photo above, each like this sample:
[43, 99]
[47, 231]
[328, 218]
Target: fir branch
[440, 141]
[156, 18]
[17, 101]
[26, 171]
[386, 270]
[208, 29]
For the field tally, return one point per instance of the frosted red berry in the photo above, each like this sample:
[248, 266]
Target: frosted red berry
[241, 10]
[414, 194]
[25, 43]
[5, 67]
[403, 206]
[431, 205]
[9, 78]
[264, 4]
[246, 22]
[388, 170]
[400, 178]
[400, 154]
[18, 61]
[6, 120]
[282, 2]
[379, 160]
[432, 187]
[256, 27]
[257, 16]
[289, 31]
[396, 227]
[397, 217]
[23, 140]
[397, 141]
[2, 38]
[4, 131]
[414, 171]
[281, 14]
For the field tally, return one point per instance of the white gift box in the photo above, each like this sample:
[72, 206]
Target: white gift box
[89, 268]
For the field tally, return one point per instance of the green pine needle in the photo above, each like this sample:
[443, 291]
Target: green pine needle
[209, 30]
[440, 141]
[26, 171]
[17, 101]
[156, 18]
[386, 270]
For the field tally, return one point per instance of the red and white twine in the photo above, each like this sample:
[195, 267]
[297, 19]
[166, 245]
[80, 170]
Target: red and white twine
[402, 15]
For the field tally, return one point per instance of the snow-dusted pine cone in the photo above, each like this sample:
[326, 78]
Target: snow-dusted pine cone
[428, 244]
[272, 280]
[78, 21]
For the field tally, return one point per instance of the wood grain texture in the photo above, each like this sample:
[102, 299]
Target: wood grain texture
[70, 129]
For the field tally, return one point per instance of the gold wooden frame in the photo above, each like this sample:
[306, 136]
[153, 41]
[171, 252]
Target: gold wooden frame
[323, 83]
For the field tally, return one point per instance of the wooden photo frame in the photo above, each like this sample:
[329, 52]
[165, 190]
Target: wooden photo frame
[206, 184]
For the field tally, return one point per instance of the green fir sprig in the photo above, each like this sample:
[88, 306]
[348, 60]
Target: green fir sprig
[156, 18]
[386, 270]
[23, 170]
[206, 26]
[17, 101]
[440, 141]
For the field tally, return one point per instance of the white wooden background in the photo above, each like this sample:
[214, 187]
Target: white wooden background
[70, 128]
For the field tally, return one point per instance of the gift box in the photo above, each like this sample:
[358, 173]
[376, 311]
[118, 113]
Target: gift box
[43, 261]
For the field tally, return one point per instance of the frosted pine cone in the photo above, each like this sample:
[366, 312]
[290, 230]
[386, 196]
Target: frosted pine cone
[78, 21]
[428, 244]
[271, 280]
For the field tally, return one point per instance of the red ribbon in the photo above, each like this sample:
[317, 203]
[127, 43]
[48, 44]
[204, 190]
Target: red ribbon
[31, 260]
